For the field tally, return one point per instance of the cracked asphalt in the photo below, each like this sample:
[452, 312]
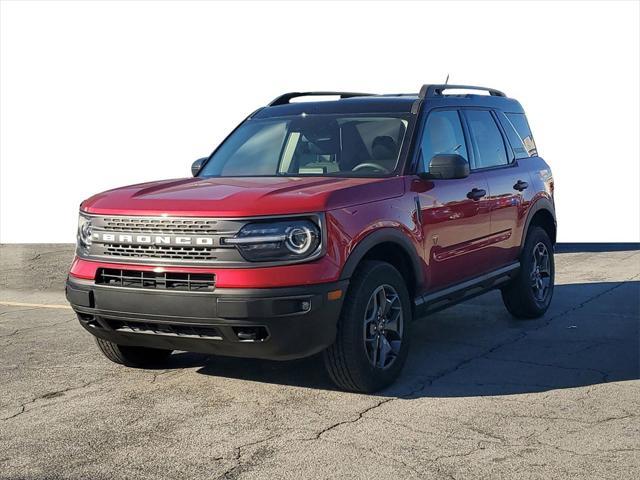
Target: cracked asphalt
[482, 395]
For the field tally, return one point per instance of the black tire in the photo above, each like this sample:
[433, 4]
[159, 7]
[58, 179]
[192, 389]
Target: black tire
[349, 362]
[522, 298]
[133, 356]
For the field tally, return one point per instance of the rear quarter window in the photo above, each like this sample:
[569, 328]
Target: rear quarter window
[525, 145]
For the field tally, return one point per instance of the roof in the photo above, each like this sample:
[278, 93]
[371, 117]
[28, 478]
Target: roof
[368, 104]
[431, 96]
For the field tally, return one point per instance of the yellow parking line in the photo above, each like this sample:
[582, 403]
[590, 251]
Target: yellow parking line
[36, 305]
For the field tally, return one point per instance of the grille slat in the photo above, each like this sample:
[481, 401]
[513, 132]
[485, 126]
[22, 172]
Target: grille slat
[160, 251]
[190, 282]
[176, 226]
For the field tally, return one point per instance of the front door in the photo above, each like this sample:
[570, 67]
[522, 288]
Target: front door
[454, 214]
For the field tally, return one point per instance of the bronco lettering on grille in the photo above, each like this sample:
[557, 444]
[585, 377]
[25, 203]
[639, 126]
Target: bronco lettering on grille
[151, 239]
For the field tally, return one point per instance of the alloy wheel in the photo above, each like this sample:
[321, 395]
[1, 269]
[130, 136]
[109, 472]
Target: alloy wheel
[540, 274]
[383, 325]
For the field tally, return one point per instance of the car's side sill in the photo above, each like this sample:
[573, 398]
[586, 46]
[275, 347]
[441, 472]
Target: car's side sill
[435, 301]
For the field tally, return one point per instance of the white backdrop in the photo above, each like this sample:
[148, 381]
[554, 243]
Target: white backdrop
[96, 95]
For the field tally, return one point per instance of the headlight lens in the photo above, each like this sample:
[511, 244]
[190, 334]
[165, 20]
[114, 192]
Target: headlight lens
[84, 233]
[276, 241]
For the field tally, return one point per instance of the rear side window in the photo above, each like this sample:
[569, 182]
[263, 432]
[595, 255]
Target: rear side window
[487, 140]
[515, 141]
[521, 126]
[442, 134]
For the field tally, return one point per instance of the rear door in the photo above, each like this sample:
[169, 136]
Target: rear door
[454, 214]
[508, 183]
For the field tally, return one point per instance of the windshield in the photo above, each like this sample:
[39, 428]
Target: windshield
[311, 145]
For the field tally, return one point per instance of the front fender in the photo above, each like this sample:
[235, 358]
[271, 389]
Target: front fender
[377, 237]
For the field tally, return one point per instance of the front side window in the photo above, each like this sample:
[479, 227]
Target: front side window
[489, 149]
[442, 134]
[311, 145]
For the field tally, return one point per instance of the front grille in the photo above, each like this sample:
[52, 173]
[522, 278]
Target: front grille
[168, 226]
[164, 240]
[176, 330]
[190, 282]
[159, 251]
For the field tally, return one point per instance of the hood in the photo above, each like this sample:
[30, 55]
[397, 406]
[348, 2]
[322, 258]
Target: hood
[242, 197]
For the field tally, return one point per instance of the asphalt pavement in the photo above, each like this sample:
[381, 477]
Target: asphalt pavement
[482, 395]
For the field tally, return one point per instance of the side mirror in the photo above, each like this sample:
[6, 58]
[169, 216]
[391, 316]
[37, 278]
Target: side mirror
[197, 165]
[447, 166]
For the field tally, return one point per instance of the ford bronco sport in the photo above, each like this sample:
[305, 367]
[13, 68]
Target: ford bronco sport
[323, 226]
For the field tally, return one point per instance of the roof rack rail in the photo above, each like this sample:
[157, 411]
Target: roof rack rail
[286, 98]
[437, 90]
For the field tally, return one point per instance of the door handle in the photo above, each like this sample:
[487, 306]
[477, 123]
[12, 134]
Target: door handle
[476, 194]
[520, 185]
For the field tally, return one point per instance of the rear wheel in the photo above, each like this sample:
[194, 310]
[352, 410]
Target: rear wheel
[373, 331]
[132, 356]
[529, 294]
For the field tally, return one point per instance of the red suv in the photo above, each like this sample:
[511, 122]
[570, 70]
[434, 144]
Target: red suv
[323, 226]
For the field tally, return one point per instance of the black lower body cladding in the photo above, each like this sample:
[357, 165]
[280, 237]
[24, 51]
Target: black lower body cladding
[269, 323]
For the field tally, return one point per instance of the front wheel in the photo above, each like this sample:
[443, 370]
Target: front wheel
[529, 294]
[133, 356]
[373, 331]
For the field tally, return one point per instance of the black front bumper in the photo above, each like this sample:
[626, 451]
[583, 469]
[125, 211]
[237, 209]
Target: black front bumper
[274, 323]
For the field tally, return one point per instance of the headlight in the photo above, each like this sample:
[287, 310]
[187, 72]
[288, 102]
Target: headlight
[274, 241]
[84, 233]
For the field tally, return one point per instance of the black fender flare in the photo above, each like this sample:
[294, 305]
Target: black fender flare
[540, 204]
[383, 235]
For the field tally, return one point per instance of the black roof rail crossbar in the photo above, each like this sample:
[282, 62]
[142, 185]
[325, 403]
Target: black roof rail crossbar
[437, 90]
[286, 98]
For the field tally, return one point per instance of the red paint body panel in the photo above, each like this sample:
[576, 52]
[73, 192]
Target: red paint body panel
[455, 238]
[451, 222]
[344, 230]
[357, 222]
[234, 197]
[241, 197]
